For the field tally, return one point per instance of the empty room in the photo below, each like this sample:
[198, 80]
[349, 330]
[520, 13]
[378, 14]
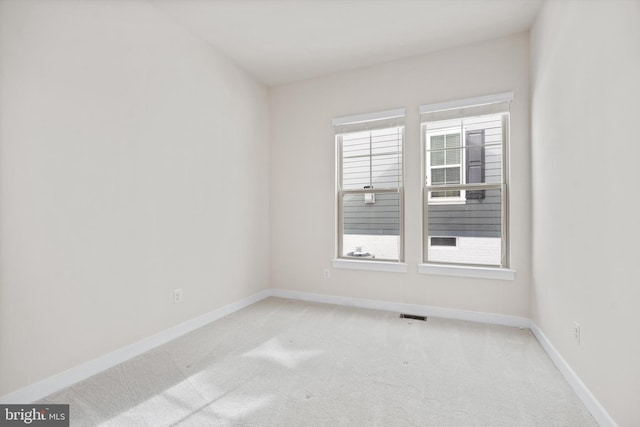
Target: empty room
[322, 213]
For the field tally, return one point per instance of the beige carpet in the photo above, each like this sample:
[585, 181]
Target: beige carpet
[289, 363]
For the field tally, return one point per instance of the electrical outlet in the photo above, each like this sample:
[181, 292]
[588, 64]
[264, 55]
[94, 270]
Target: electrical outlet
[576, 331]
[327, 273]
[177, 296]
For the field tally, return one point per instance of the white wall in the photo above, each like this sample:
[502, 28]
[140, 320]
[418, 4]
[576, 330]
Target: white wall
[133, 160]
[585, 151]
[303, 169]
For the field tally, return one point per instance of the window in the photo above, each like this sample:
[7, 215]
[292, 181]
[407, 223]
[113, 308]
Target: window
[465, 185]
[445, 163]
[370, 186]
[444, 241]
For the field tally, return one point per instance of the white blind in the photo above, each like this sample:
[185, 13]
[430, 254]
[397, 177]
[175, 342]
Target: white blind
[369, 121]
[371, 158]
[457, 109]
[370, 147]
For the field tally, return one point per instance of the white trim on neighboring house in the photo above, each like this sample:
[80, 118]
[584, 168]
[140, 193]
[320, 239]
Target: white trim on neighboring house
[69, 377]
[460, 130]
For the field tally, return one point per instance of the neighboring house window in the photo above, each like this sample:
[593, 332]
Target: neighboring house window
[370, 185]
[465, 185]
[444, 241]
[444, 164]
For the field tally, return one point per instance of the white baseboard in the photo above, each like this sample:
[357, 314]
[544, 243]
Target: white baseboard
[415, 309]
[71, 376]
[595, 408]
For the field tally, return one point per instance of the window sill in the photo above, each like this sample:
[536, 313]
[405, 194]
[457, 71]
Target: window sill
[447, 202]
[467, 271]
[393, 267]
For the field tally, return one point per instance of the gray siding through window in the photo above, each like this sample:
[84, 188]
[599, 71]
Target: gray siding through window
[475, 218]
[379, 218]
[372, 160]
[480, 214]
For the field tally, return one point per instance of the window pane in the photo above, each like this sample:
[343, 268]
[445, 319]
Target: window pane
[452, 140]
[372, 158]
[437, 176]
[355, 173]
[437, 156]
[355, 144]
[386, 171]
[452, 176]
[444, 149]
[436, 194]
[477, 225]
[443, 241]
[385, 141]
[452, 156]
[437, 142]
[443, 176]
[474, 143]
[371, 230]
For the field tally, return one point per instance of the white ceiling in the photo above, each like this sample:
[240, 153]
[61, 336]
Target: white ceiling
[280, 41]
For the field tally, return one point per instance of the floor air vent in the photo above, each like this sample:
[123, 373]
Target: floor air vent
[414, 317]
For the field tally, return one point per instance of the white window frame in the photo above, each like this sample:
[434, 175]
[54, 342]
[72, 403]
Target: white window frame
[358, 123]
[491, 104]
